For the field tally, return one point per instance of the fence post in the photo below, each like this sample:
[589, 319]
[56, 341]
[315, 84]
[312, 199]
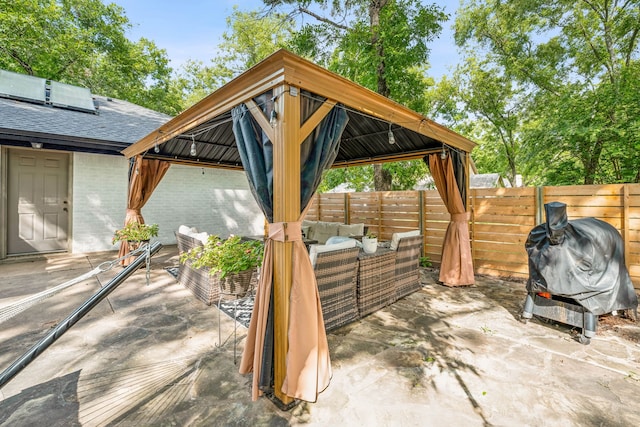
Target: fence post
[380, 195]
[347, 208]
[625, 223]
[472, 223]
[421, 220]
[539, 205]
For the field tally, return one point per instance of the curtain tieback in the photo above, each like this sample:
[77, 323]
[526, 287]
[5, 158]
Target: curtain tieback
[132, 212]
[459, 217]
[285, 231]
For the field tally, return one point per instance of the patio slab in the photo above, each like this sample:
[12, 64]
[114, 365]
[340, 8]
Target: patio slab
[148, 355]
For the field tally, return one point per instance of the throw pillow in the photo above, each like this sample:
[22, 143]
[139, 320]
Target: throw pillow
[351, 229]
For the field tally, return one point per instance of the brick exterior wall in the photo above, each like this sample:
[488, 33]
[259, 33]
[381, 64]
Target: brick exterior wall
[213, 200]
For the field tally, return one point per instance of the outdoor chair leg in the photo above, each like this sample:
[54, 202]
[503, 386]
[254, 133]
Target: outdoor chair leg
[219, 343]
[235, 328]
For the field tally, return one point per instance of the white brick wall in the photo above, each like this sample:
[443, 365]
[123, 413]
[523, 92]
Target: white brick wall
[98, 201]
[217, 201]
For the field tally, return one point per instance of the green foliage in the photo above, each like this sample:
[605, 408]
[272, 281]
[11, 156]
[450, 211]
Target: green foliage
[231, 255]
[425, 261]
[380, 45]
[404, 176]
[135, 232]
[250, 38]
[83, 42]
[568, 73]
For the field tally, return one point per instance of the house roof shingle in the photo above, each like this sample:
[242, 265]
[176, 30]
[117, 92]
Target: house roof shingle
[117, 125]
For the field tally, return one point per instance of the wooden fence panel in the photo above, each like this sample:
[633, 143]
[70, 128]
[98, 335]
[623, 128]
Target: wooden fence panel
[400, 212]
[501, 219]
[434, 225]
[631, 233]
[366, 208]
[313, 211]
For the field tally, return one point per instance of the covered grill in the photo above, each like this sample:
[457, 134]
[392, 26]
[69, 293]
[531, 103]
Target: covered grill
[576, 271]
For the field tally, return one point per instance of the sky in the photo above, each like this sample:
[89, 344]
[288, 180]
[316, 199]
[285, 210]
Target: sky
[192, 29]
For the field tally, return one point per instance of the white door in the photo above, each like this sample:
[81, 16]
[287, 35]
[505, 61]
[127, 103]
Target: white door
[37, 201]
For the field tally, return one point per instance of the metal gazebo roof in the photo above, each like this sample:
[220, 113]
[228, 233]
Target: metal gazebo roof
[364, 141]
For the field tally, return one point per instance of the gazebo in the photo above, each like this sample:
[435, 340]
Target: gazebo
[284, 122]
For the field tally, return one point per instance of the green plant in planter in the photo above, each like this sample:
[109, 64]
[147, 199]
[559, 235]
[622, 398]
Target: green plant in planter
[135, 232]
[232, 255]
[371, 235]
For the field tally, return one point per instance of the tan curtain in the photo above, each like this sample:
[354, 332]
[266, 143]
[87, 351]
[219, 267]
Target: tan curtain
[143, 179]
[308, 368]
[456, 268]
[308, 361]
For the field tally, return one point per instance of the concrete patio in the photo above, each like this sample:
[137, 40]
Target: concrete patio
[147, 355]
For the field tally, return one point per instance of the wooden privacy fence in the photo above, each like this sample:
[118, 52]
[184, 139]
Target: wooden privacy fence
[501, 219]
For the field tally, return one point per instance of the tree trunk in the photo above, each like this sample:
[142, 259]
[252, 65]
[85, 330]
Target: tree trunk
[591, 162]
[381, 177]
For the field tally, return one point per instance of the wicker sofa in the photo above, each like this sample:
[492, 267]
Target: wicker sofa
[351, 284]
[197, 280]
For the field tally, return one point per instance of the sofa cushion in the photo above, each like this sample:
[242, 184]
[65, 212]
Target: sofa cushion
[339, 239]
[351, 229]
[186, 230]
[322, 230]
[395, 238]
[203, 236]
[314, 250]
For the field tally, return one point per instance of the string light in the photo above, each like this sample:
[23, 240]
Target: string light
[156, 148]
[443, 153]
[392, 138]
[193, 147]
[273, 120]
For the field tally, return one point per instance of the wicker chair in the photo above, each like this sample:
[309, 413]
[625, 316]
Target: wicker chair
[407, 272]
[336, 277]
[198, 280]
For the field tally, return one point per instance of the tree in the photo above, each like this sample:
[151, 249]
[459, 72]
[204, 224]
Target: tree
[577, 62]
[83, 42]
[251, 37]
[484, 103]
[380, 44]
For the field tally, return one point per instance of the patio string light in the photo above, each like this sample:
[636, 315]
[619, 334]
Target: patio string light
[392, 138]
[193, 151]
[273, 118]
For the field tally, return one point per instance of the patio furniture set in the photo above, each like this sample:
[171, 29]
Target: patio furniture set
[351, 283]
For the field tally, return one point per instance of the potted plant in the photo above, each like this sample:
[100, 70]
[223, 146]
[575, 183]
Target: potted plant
[370, 243]
[135, 233]
[231, 262]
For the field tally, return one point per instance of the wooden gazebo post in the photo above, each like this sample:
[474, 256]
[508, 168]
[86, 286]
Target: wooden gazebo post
[286, 208]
